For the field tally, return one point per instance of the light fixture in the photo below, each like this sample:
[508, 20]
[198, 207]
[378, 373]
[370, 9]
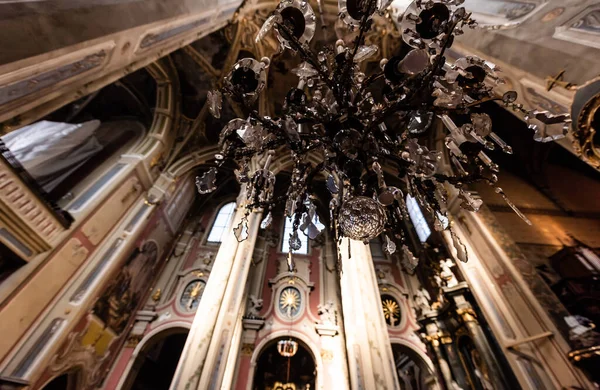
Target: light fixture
[355, 125]
[287, 348]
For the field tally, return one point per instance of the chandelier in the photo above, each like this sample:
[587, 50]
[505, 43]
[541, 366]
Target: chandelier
[347, 126]
[287, 348]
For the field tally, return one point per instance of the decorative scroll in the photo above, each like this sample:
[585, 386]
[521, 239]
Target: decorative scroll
[10, 92]
[152, 39]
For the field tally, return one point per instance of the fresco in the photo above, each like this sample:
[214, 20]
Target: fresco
[120, 300]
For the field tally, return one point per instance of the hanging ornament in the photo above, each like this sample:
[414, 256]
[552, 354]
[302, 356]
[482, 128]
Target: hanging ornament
[206, 183]
[361, 218]
[287, 348]
[241, 231]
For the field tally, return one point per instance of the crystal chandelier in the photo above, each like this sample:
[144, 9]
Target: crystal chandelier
[355, 124]
[287, 348]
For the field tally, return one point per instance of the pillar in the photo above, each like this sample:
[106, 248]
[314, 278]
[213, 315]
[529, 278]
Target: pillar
[433, 336]
[207, 349]
[467, 314]
[370, 359]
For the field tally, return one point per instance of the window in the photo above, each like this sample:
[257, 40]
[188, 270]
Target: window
[417, 218]
[287, 231]
[221, 223]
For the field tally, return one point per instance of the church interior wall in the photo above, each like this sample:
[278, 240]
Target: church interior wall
[93, 296]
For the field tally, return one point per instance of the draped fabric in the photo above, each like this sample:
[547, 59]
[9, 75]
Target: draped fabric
[51, 151]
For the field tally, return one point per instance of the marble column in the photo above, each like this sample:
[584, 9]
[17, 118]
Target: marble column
[466, 312]
[432, 337]
[205, 355]
[370, 359]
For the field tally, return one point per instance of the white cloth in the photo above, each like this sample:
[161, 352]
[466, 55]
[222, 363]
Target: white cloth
[51, 151]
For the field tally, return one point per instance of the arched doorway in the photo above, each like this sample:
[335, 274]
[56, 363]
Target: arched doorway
[276, 372]
[66, 381]
[412, 371]
[156, 362]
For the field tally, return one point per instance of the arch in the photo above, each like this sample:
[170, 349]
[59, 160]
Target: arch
[418, 372]
[66, 380]
[221, 222]
[421, 352]
[150, 340]
[271, 338]
[146, 149]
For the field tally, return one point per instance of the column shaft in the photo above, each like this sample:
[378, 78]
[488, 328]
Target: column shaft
[370, 358]
[217, 299]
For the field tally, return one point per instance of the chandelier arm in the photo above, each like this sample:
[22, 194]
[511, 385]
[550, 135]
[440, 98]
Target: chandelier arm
[365, 25]
[471, 178]
[439, 61]
[307, 56]
[484, 100]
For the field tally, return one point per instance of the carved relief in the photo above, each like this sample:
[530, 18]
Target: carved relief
[327, 313]
[116, 306]
[27, 86]
[256, 305]
[19, 200]
[151, 39]
[586, 121]
[82, 350]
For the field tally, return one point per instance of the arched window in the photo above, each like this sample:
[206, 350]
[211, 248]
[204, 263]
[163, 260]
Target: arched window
[287, 231]
[417, 218]
[221, 223]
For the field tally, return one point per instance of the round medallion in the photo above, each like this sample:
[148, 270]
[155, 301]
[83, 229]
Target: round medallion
[190, 297]
[391, 310]
[289, 302]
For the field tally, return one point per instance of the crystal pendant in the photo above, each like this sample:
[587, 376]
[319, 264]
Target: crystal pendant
[294, 241]
[291, 129]
[387, 196]
[309, 224]
[365, 52]
[305, 71]
[510, 204]
[215, 103]
[447, 96]
[267, 221]
[409, 261]
[468, 202]
[482, 124]
[206, 183]
[389, 246]
[461, 250]
[241, 231]
[267, 26]
[253, 136]
[415, 62]
[420, 122]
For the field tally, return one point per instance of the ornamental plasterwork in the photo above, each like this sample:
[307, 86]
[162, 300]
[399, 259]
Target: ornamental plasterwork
[391, 310]
[289, 302]
[85, 356]
[583, 29]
